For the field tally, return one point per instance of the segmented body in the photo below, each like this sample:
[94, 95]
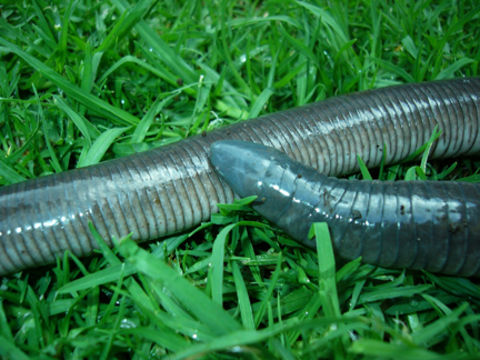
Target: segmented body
[431, 225]
[173, 188]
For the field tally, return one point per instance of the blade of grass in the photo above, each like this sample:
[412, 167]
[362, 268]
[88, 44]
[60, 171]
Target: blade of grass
[145, 123]
[243, 299]
[91, 102]
[364, 169]
[217, 264]
[406, 291]
[4, 327]
[162, 50]
[128, 19]
[218, 258]
[268, 294]
[8, 350]
[84, 126]
[371, 347]
[43, 23]
[326, 268]
[425, 149]
[244, 337]
[161, 337]
[62, 43]
[202, 307]
[429, 333]
[449, 71]
[260, 102]
[9, 174]
[54, 160]
[100, 147]
[101, 277]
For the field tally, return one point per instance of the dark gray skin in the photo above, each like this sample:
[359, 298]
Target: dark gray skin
[174, 188]
[429, 225]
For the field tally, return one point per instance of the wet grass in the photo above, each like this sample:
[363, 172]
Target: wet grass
[86, 81]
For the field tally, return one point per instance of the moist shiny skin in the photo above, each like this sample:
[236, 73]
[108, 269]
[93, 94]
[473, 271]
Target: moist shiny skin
[431, 225]
[173, 188]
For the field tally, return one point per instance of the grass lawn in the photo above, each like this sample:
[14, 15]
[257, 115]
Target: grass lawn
[84, 81]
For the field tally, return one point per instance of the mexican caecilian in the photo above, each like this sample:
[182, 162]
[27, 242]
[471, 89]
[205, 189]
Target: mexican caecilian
[431, 225]
[173, 188]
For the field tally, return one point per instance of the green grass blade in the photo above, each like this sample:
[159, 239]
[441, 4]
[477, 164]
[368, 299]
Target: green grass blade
[163, 337]
[326, 268]
[8, 350]
[364, 169]
[91, 102]
[124, 24]
[450, 70]
[243, 299]
[100, 147]
[327, 19]
[62, 43]
[216, 270]
[86, 129]
[43, 23]
[376, 348]
[9, 174]
[425, 149]
[145, 123]
[202, 307]
[268, 293]
[101, 277]
[5, 330]
[260, 102]
[161, 49]
[406, 291]
[429, 333]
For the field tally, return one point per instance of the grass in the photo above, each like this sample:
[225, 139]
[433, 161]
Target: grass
[84, 81]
